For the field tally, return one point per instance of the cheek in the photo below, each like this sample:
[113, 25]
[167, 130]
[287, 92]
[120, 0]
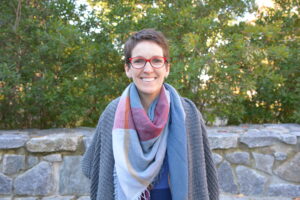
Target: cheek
[130, 73]
[133, 74]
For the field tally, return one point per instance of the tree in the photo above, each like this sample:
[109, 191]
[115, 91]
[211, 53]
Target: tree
[242, 71]
[55, 70]
[195, 30]
[276, 35]
[61, 65]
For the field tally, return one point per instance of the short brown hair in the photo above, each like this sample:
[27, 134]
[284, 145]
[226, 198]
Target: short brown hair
[148, 35]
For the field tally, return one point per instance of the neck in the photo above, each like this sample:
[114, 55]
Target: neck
[146, 101]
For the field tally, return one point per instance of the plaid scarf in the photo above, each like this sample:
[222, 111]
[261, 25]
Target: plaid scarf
[140, 144]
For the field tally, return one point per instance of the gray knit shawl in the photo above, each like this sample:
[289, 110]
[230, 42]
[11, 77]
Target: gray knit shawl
[98, 161]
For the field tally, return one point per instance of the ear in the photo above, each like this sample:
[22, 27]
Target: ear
[127, 71]
[167, 70]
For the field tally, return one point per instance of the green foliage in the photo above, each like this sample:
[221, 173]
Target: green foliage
[61, 65]
[55, 71]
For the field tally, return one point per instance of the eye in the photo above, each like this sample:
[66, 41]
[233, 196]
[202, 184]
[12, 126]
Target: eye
[157, 60]
[138, 61]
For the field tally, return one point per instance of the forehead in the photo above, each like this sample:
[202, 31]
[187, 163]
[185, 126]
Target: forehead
[147, 49]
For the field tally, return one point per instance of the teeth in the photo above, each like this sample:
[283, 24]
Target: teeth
[148, 79]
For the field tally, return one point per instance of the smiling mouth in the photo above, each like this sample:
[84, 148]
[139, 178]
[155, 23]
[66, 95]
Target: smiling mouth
[148, 79]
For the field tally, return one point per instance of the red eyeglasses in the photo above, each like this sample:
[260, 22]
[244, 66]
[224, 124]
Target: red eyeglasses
[155, 61]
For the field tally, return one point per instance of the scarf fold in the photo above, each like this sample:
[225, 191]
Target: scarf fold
[140, 142]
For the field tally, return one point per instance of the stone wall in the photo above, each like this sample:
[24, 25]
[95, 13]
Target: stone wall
[254, 160]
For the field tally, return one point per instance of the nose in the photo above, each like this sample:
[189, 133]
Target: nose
[148, 68]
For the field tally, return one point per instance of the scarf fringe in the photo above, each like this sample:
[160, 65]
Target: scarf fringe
[145, 195]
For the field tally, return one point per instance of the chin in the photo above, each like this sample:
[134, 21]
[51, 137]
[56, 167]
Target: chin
[149, 91]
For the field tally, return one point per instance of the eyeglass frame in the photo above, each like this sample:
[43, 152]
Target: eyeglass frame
[148, 60]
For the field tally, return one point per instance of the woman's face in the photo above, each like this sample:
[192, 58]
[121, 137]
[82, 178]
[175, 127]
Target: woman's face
[148, 80]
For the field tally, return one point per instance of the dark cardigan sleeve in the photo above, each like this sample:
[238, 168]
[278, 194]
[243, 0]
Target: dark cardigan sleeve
[212, 178]
[88, 157]
[93, 157]
[204, 181]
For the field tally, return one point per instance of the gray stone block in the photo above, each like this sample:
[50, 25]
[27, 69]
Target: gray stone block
[26, 198]
[251, 183]
[226, 179]
[242, 158]
[6, 184]
[262, 138]
[275, 128]
[227, 129]
[86, 131]
[59, 198]
[297, 134]
[31, 161]
[53, 158]
[84, 198]
[263, 162]
[55, 142]
[285, 190]
[253, 126]
[217, 158]
[223, 140]
[292, 127]
[280, 156]
[12, 141]
[87, 140]
[13, 163]
[290, 170]
[237, 197]
[5, 198]
[36, 181]
[288, 138]
[88, 134]
[71, 179]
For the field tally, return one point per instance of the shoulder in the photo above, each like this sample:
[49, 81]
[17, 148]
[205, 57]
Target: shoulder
[110, 109]
[188, 104]
[107, 116]
[112, 106]
[191, 109]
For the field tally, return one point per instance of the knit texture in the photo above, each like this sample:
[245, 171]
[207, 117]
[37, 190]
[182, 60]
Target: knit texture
[203, 182]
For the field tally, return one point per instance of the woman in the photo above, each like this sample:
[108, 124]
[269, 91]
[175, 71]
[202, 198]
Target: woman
[150, 143]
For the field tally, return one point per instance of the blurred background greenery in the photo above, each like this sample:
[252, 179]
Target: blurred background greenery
[61, 62]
